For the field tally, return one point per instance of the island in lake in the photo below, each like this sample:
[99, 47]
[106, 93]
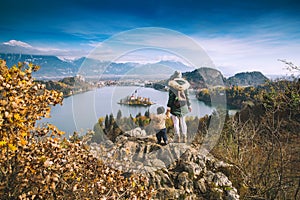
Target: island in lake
[135, 100]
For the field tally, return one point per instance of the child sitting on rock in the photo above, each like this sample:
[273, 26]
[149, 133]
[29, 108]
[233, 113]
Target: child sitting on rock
[158, 120]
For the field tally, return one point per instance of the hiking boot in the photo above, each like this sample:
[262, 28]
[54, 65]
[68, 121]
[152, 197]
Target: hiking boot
[176, 139]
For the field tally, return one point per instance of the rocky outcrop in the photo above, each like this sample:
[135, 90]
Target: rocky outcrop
[176, 171]
[203, 77]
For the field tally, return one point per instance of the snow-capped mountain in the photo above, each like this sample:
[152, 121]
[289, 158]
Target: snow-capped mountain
[57, 67]
[56, 63]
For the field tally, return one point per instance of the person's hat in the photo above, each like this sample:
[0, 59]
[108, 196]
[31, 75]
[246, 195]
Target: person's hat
[177, 74]
[160, 110]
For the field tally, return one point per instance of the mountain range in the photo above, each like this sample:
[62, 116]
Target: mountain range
[202, 77]
[53, 67]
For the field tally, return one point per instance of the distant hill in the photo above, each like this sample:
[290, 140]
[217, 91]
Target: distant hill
[68, 86]
[51, 66]
[203, 77]
[247, 78]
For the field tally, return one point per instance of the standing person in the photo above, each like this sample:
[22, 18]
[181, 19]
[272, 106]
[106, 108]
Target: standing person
[179, 104]
[159, 124]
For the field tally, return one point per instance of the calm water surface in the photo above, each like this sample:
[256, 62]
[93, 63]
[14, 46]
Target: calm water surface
[80, 112]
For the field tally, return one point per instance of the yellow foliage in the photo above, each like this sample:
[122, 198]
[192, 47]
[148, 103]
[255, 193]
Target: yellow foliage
[205, 91]
[23, 142]
[23, 134]
[35, 162]
[3, 143]
[133, 184]
[12, 147]
[101, 120]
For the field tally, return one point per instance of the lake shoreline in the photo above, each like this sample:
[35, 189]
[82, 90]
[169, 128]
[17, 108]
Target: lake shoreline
[82, 110]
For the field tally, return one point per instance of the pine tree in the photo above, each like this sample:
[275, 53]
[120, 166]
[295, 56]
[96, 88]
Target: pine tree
[141, 122]
[111, 120]
[147, 113]
[119, 115]
[106, 122]
[138, 115]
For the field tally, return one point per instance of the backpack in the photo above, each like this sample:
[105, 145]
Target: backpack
[180, 99]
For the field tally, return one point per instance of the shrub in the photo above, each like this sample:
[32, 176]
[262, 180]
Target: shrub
[36, 162]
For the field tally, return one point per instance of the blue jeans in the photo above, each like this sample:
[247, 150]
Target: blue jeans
[162, 134]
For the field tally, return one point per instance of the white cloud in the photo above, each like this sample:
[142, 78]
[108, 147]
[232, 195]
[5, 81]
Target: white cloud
[156, 39]
[17, 43]
[15, 46]
[149, 56]
[259, 53]
[231, 54]
[93, 43]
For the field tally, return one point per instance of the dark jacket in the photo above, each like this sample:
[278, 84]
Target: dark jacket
[177, 86]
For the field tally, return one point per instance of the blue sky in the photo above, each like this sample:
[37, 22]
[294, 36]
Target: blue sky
[237, 35]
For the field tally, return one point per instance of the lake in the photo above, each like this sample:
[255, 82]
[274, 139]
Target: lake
[81, 111]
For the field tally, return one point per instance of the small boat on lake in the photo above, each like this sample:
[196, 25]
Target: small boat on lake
[135, 100]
